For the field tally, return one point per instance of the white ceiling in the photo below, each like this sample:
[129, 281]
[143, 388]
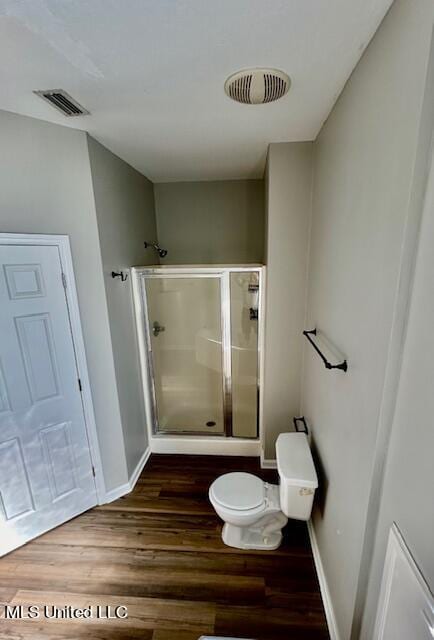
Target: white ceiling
[152, 72]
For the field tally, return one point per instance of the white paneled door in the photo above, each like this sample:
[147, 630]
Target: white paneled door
[406, 606]
[46, 474]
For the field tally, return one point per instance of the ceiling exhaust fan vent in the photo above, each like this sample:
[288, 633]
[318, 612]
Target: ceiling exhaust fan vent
[63, 102]
[257, 86]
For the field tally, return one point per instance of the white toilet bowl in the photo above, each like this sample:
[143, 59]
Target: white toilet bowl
[250, 509]
[254, 511]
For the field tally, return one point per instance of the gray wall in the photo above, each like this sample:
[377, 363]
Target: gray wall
[364, 162]
[46, 187]
[211, 222]
[124, 203]
[288, 208]
[409, 475]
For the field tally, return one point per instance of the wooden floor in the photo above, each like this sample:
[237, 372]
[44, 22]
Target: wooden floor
[159, 552]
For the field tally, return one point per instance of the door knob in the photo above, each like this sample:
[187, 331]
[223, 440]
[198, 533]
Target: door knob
[157, 328]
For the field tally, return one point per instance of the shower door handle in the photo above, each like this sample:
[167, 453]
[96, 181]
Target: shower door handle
[157, 328]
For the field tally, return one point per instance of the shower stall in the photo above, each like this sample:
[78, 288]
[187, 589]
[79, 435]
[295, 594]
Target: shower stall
[200, 330]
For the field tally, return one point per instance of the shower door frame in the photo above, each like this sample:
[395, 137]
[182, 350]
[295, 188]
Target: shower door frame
[222, 273]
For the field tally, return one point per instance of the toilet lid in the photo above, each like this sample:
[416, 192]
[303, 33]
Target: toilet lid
[239, 491]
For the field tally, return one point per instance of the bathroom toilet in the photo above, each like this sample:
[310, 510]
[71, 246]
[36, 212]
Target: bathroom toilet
[254, 511]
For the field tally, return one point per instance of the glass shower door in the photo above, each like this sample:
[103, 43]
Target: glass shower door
[185, 334]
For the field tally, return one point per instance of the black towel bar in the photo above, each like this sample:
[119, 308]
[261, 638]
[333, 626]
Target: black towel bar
[343, 366]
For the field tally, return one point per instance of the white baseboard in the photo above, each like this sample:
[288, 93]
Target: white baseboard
[325, 593]
[205, 446]
[123, 489]
[268, 464]
[116, 493]
[139, 468]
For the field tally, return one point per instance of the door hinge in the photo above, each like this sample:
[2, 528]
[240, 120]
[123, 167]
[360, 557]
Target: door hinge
[63, 280]
[93, 471]
[79, 384]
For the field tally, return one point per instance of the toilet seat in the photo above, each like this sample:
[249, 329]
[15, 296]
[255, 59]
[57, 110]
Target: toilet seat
[239, 491]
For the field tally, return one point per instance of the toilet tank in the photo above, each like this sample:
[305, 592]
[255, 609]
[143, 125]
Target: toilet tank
[298, 479]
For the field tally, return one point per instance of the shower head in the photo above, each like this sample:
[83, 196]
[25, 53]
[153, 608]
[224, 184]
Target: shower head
[161, 252]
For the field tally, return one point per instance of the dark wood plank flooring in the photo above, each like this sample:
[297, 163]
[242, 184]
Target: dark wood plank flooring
[159, 552]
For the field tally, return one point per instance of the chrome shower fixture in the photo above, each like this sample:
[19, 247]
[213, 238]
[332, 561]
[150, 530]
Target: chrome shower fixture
[161, 252]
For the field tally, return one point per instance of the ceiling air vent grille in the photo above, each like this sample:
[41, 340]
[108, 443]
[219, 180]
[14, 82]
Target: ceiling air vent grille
[275, 87]
[239, 89]
[63, 102]
[257, 86]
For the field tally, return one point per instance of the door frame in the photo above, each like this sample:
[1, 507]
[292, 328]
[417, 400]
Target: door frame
[64, 247]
